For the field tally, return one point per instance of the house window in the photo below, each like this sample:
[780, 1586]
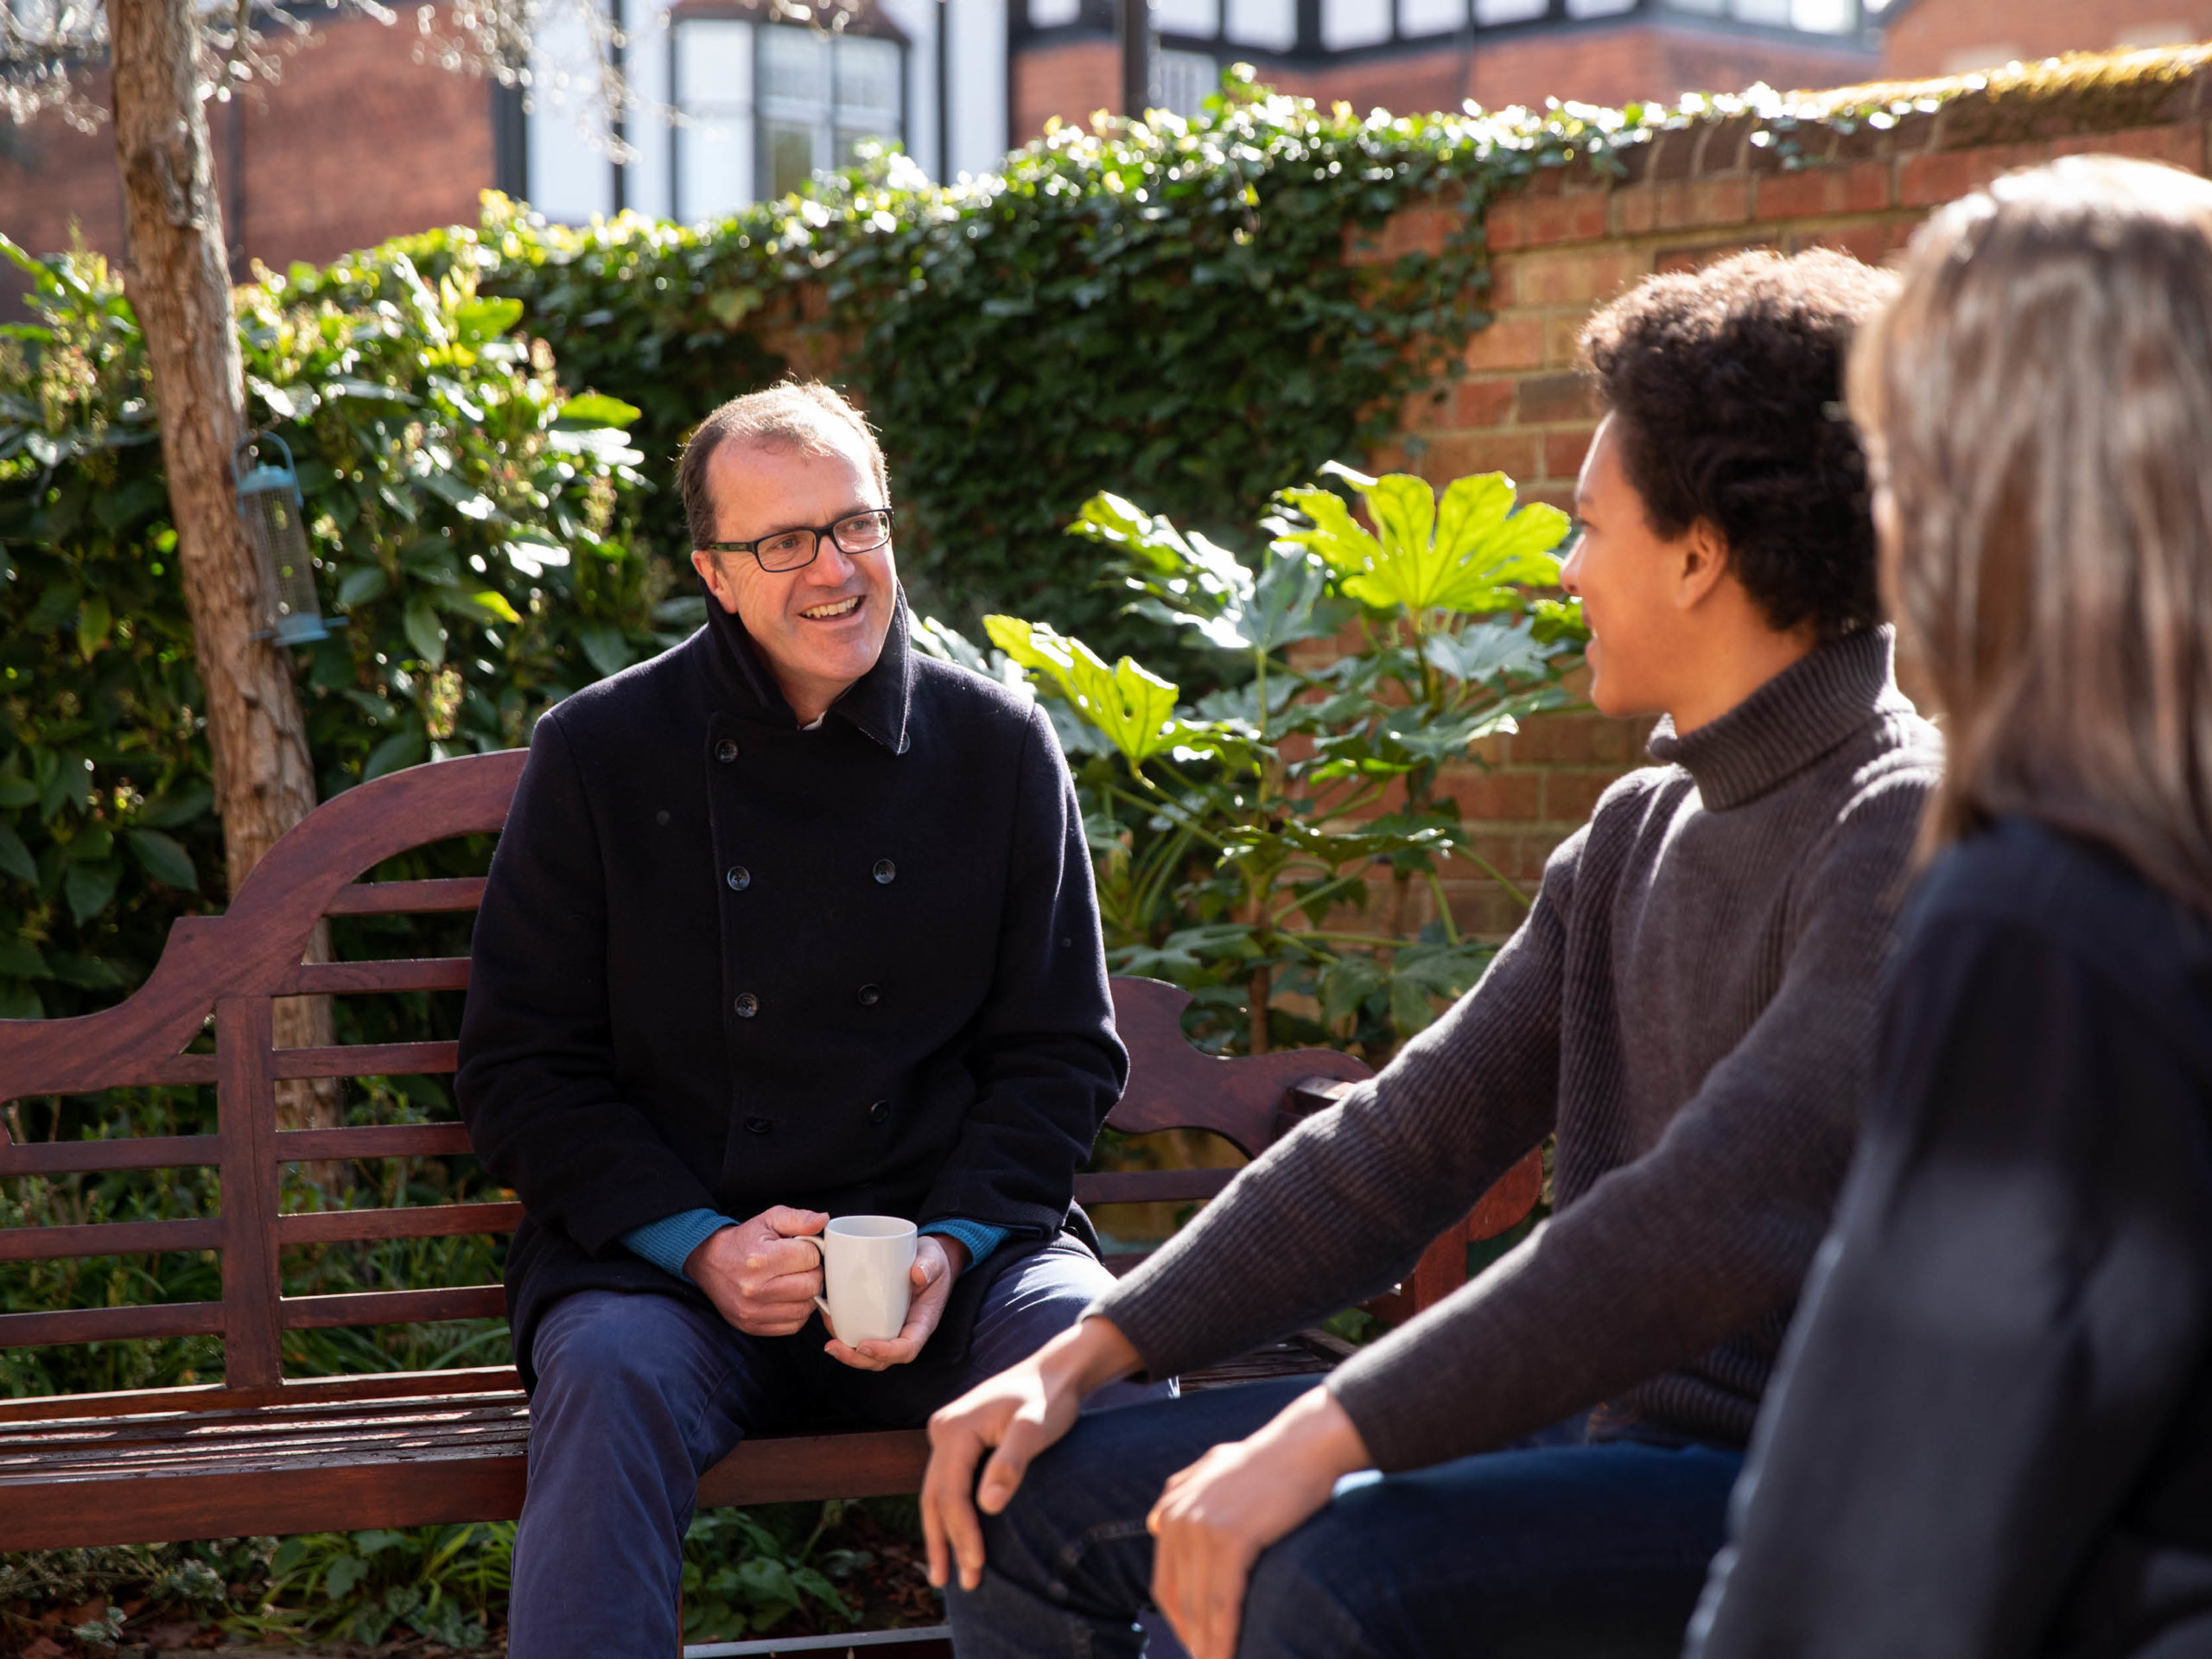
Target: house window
[820, 96]
[714, 88]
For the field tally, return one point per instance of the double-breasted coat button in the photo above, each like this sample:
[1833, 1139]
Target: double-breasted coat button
[747, 1005]
[726, 751]
[758, 1125]
[868, 995]
[879, 1113]
[738, 877]
[885, 872]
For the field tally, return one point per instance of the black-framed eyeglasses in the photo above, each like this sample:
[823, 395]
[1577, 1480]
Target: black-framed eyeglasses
[797, 548]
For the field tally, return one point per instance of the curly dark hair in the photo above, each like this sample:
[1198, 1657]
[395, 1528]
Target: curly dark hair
[1725, 386]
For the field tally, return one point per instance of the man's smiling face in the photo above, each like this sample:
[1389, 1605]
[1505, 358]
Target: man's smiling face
[822, 626]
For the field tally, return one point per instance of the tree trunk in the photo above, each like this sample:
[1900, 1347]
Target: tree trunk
[178, 281]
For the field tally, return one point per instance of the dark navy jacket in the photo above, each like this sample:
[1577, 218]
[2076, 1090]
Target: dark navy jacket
[722, 962]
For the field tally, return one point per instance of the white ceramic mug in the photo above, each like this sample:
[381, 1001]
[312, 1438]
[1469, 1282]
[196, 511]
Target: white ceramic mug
[865, 1264]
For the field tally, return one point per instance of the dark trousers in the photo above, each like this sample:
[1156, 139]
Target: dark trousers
[1547, 1551]
[639, 1395]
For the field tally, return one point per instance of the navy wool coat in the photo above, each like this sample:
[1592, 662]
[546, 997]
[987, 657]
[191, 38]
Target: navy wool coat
[722, 962]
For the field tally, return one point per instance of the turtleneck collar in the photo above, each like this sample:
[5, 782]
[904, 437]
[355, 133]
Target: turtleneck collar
[878, 703]
[1788, 723]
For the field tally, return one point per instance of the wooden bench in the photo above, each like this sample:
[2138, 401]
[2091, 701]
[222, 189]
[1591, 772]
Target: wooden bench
[260, 1452]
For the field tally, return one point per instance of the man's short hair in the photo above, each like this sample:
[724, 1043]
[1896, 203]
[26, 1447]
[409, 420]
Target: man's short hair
[1725, 386]
[802, 415]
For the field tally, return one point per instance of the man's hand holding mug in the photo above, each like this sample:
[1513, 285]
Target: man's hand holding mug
[884, 1287]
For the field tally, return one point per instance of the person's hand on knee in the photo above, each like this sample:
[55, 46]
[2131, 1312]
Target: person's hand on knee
[939, 1261]
[1215, 1516]
[758, 1275]
[1014, 1415]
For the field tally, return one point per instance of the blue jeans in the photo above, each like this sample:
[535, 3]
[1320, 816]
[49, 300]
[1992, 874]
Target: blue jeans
[1546, 1551]
[639, 1395]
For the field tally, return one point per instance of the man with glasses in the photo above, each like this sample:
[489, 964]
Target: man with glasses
[790, 921]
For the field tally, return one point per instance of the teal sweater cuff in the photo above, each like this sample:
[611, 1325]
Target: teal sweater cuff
[980, 1239]
[668, 1243]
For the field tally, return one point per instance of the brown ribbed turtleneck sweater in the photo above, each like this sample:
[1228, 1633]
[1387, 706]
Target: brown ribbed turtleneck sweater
[1689, 1005]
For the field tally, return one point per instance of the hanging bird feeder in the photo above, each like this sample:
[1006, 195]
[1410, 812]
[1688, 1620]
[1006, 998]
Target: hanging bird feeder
[276, 528]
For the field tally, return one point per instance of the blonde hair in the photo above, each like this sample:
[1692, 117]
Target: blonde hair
[2036, 403]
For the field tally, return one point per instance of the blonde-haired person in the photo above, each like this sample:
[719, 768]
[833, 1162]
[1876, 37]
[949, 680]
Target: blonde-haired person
[1993, 1430]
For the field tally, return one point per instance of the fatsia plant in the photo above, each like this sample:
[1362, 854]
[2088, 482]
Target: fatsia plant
[1242, 839]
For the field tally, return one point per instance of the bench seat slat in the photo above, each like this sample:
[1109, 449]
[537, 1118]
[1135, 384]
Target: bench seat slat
[423, 1221]
[109, 1238]
[393, 1307]
[140, 1152]
[404, 1461]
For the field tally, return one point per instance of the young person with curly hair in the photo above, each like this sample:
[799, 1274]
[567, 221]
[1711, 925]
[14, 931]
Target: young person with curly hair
[1993, 1433]
[1689, 1007]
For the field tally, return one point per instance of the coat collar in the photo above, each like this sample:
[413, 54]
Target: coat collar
[879, 703]
[1788, 723]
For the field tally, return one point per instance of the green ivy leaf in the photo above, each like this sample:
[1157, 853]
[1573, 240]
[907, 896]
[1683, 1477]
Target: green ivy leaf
[17, 791]
[479, 320]
[88, 887]
[85, 972]
[403, 749]
[20, 960]
[604, 644]
[362, 584]
[95, 620]
[424, 631]
[16, 859]
[19, 1001]
[181, 804]
[163, 859]
[343, 1575]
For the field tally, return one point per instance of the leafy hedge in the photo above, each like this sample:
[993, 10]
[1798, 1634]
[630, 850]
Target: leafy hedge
[467, 520]
[1166, 312]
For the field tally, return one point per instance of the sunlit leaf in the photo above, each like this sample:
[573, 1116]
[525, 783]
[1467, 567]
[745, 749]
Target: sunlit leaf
[594, 409]
[1132, 705]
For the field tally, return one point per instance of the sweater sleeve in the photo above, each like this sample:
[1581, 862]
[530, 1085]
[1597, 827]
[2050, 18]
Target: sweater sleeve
[2004, 1327]
[1046, 1063]
[1345, 1203]
[536, 1085]
[1714, 1228]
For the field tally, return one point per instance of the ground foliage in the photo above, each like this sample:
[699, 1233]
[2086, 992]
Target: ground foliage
[797, 1569]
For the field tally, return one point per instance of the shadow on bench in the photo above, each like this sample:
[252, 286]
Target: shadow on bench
[260, 1453]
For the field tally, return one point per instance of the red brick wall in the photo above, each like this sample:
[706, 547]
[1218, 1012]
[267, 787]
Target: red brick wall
[1946, 37]
[1072, 81]
[1568, 245]
[356, 143]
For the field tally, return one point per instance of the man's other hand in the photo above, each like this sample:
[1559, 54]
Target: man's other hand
[938, 1261]
[1014, 1415]
[758, 1274]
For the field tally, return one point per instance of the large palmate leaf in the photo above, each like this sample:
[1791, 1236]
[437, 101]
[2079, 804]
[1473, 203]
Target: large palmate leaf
[1191, 581]
[1470, 554]
[1131, 704]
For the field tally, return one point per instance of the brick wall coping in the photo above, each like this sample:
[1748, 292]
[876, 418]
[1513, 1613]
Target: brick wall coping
[1764, 132]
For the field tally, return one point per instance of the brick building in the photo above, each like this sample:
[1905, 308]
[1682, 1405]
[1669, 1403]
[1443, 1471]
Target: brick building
[1949, 37]
[361, 140]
